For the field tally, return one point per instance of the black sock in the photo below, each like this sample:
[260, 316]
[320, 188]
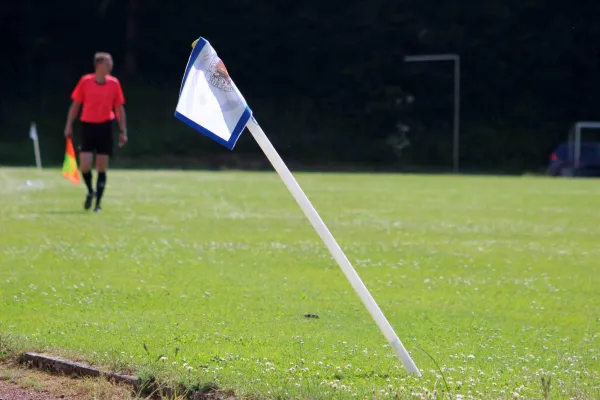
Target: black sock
[100, 186]
[87, 178]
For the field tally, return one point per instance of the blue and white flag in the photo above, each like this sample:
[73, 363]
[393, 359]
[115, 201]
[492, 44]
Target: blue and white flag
[209, 101]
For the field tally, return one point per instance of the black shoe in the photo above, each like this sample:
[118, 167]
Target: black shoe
[97, 208]
[88, 201]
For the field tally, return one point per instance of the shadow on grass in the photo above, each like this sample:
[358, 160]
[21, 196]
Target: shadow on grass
[62, 212]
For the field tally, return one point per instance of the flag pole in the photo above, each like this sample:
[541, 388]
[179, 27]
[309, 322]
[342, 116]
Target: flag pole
[38, 158]
[334, 248]
[36, 145]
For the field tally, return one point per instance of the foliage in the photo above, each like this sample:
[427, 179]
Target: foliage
[327, 78]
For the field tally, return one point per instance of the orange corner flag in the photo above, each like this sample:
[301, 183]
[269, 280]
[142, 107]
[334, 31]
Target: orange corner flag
[69, 169]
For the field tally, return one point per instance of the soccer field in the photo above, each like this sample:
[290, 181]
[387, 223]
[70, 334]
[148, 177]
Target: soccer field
[206, 277]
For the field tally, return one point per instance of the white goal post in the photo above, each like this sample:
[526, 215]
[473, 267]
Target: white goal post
[575, 139]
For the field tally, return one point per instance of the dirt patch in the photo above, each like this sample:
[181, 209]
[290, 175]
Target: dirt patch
[17, 383]
[37, 376]
[12, 391]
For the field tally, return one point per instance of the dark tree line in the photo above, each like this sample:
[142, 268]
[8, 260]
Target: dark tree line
[326, 79]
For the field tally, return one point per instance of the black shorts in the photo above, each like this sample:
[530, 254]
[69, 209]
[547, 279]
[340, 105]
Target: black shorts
[97, 137]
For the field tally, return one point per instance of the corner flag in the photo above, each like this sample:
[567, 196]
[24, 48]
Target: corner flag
[210, 102]
[69, 169]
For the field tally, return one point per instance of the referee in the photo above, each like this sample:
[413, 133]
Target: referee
[102, 99]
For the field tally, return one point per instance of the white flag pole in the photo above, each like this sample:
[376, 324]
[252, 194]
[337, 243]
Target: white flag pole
[334, 248]
[36, 145]
[38, 158]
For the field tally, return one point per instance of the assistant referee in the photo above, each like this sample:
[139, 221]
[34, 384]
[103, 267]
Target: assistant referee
[102, 98]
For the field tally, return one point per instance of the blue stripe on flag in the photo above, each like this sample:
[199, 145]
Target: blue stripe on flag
[195, 53]
[237, 131]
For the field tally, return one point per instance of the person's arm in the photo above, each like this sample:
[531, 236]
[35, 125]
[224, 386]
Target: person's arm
[121, 116]
[77, 97]
[71, 115]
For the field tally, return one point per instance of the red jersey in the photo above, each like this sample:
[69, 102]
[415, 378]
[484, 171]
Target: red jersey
[99, 100]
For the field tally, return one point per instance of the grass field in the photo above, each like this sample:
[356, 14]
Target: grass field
[204, 277]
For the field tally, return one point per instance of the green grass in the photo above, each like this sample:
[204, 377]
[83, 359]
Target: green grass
[498, 279]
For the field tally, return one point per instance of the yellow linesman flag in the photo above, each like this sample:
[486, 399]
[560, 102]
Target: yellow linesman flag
[69, 169]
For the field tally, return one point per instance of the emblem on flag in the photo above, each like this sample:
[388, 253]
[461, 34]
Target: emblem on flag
[219, 76]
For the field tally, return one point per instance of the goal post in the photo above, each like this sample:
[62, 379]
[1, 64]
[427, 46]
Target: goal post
[575, 139]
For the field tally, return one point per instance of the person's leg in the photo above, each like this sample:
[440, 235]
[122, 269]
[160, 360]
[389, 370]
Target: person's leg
[86, 158]
[101, 167]
[105, 145]
[85, 162]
